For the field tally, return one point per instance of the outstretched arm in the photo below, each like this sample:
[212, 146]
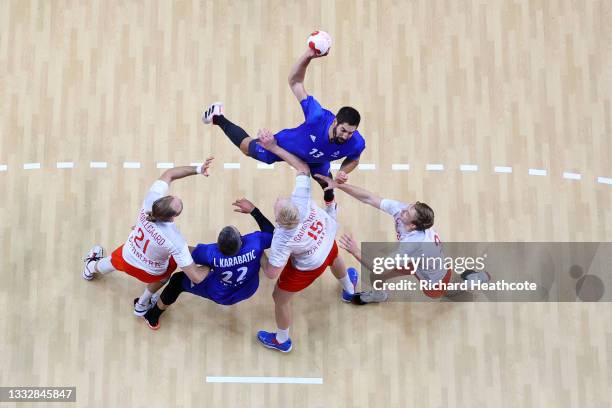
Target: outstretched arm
[359, 193]
[246, 207]
[196, 273]
[298, 72]
[179, 172]
[347, 166]
[267, 140]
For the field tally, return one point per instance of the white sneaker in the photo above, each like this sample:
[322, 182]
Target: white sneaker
[481, 277]
[141, 310]
[215, 109]
[96, 253]
[373, 296]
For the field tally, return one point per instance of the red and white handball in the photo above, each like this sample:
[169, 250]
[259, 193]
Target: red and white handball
[320, 41]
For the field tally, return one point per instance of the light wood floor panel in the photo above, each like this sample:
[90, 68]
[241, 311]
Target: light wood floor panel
[524, 84]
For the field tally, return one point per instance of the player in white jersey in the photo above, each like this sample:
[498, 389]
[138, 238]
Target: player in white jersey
[413, 225]
[155, 246]
[303, 246]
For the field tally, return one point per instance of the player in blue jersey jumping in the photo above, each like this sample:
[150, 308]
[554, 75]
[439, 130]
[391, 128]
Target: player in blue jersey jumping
[321, 139]
[234, 263]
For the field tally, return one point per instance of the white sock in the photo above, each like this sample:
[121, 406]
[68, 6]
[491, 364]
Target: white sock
[145, 298]
[104, 266]
[347, 284]
[282, 335]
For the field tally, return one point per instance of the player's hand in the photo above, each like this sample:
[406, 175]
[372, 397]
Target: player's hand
[243, 206]
[341, 177]
[266, 139]
[313, 54]
[207, 165]
[349, 244]
[330, 183]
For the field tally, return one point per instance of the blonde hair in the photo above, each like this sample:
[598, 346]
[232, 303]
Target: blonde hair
[288, 215]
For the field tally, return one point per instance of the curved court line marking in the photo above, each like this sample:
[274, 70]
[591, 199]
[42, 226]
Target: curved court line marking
[98, 165]
[434, 167]
[538, 172]
[400, 167]
[164, 165]
[265, 380]
[366, 166]
[31, 166]
[231, 165]
[503, 169]
[64, 165]
[604, 180]
[3, 167]
[572, 176]
[131, 165]
[468, 167]
[264, 166]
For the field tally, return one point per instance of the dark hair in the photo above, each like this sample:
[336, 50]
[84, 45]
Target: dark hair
[162, 210]
[348, 115]
[424, 216]
[229, 241]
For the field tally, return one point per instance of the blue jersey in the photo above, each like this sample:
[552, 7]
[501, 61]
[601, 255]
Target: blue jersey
[231, 278]
[310, 141]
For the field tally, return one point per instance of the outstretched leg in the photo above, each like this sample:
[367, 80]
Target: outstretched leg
[235, 133]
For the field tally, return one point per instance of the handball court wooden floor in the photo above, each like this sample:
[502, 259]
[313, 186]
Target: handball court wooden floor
[521, 84]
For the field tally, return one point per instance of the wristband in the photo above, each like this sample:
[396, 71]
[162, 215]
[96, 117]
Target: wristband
[198, 169]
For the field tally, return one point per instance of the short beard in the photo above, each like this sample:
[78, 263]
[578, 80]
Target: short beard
[335, 138]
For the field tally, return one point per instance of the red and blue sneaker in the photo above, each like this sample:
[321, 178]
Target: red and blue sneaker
[354, 277]
[269, 340]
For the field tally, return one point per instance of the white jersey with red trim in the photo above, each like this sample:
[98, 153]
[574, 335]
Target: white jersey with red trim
[412, 238]
[151, 244]
[309, 244]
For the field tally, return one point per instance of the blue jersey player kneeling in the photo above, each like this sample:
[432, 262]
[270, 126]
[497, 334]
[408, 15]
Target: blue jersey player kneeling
[234, 263]
[321, 139]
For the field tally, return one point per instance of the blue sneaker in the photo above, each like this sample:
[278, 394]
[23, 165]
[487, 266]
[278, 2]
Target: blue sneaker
[269, 340]
[354, 277]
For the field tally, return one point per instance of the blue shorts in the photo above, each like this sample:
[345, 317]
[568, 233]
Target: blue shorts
[257, 152]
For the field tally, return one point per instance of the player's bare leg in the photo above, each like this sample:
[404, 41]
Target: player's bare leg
[348, 278]
[282, 308]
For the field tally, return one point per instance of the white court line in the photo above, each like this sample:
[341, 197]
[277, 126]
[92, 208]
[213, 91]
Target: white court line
[604, 180]
[3, 167]
[31, 166]
[165, 165]
[131, 165]
[468, 167]
[335, 166]
[231, 165]
[65, 165]
[366, 166]
[400, 167]
[264, 166]
[98, 165]
[572, 176]
[503, 169]
[538, 172]
[265, 380]
[196, 164]
[434, 167]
